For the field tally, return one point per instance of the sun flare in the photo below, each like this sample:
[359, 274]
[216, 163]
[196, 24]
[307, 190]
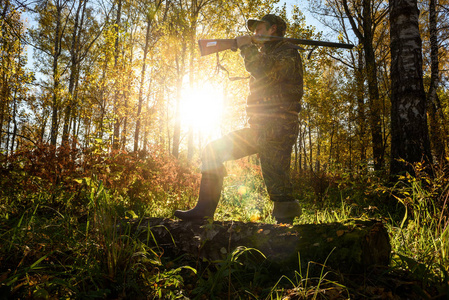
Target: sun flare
[202, 108]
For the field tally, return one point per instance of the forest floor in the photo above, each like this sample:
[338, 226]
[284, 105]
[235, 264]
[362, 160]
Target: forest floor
[46, 255]
[59, 232]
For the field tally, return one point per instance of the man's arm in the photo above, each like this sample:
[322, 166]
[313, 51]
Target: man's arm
[278, 65]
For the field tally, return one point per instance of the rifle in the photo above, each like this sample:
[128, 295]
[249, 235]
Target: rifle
[213, 46]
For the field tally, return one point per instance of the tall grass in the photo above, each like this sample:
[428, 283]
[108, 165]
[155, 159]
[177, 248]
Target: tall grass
[46, 252]
[421, 238]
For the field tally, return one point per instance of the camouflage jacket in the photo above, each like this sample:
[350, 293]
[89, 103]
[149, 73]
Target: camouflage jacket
[276, 82]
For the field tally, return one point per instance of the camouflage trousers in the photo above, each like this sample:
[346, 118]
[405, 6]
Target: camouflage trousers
[272, 140]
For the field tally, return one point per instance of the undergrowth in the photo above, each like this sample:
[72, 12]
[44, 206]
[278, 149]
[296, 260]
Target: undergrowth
[63, 236]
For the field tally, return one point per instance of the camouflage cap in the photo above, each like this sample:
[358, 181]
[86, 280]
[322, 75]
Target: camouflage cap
[270, 19]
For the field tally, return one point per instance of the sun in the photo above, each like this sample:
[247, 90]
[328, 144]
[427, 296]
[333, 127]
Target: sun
[202, 108]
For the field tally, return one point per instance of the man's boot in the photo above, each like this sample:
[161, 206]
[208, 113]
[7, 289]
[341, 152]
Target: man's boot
[210, 192]
[286, 212]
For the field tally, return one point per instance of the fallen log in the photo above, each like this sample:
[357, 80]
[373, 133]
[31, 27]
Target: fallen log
[353, 246]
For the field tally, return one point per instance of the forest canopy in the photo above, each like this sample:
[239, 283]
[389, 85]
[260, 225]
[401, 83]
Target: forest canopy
[128, 75]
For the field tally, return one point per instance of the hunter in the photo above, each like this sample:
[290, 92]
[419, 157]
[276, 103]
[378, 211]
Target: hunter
[273, 104]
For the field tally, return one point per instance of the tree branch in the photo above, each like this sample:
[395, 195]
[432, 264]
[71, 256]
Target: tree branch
[351, 21]
[19, 135]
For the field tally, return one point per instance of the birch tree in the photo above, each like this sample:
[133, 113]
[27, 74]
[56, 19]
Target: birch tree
[409, 133]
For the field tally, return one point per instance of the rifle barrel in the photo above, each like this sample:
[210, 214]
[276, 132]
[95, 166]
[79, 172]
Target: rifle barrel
[309, 42]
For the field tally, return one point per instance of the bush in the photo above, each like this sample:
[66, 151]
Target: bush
[142, 181]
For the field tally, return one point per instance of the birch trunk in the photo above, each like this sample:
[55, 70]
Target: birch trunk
[409, 133]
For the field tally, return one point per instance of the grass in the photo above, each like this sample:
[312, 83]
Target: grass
[420, 239]
[68, 256]
[60, 243]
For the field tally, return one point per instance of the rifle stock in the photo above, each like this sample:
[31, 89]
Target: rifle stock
[210, 46]
[213, 46]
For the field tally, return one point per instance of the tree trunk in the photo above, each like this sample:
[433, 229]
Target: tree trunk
[116, 133]
[304, 147]
[177, 128]
[366, 38]
[350, 247]
[56, 75]
[126, 96]
[74, 67]
[192, 46]
[142, 77]
[125, 123]
[310, 141]
[409, 132]
[101, 129]
[295, 162]
[180, 66]
[373, 89]
[5, 94]
[361, 116]
[14, 121]
[437, 122]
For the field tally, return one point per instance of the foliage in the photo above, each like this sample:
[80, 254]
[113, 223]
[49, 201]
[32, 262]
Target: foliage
[67, 175]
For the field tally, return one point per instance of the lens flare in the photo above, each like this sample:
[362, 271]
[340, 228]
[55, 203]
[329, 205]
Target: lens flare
[242, 190]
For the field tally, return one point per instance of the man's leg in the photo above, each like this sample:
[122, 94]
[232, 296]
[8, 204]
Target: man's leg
[276, 143]
[209, 195]
[235, 145]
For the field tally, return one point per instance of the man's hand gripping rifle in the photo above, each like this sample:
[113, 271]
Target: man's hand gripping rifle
[213, 46]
